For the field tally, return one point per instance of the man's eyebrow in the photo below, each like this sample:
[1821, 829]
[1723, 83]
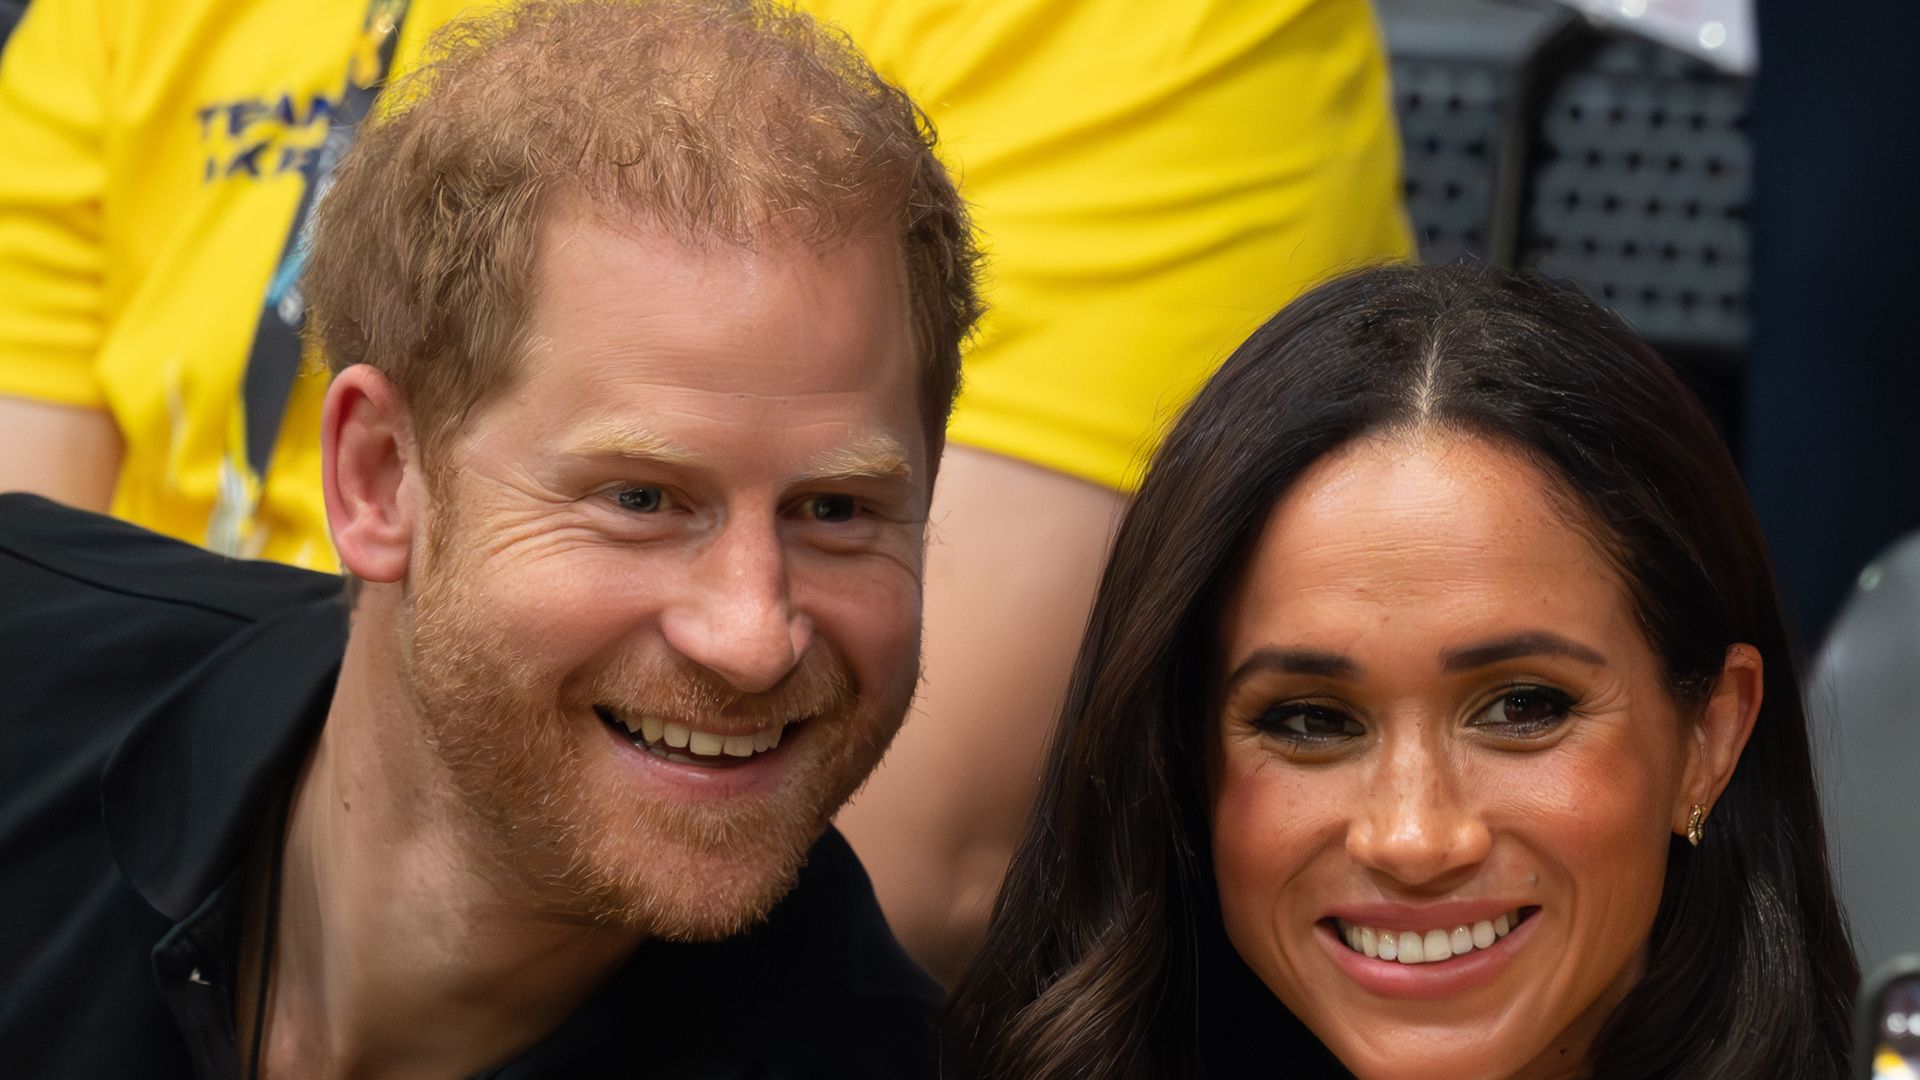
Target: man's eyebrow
[626, 440]
[874, 457]
[1294, 662]
[1515, 646]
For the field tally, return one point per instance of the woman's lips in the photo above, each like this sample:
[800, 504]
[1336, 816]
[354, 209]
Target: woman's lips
[1403, 965]
[1426, 946]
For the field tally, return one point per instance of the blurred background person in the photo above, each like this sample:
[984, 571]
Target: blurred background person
[1149, 180]
[1439, 696]
[157, 157]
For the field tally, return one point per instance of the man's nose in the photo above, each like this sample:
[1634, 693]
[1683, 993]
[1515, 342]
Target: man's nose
[735, 614]
[1416, 825]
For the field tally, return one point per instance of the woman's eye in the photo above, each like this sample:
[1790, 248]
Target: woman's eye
[1526, 710]
[831, 508]
[1308, 723]
[641, 500]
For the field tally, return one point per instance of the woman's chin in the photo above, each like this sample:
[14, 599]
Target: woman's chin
[1389, 1021]
[1451, 1055]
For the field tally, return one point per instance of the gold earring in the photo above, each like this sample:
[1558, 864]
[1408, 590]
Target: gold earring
[1696, 824]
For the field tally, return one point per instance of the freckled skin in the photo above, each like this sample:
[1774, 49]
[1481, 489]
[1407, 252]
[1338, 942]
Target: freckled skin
[1391, 552]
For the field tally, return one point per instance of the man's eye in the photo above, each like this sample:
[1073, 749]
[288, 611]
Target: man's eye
[1308, 724]
[643, 500]
[831, 508]
[1526, 711]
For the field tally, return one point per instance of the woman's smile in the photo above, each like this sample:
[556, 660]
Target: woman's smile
[1447, 765]
[1438, 658]
[1427, 964]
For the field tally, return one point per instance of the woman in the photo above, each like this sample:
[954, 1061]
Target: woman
[1440, 627]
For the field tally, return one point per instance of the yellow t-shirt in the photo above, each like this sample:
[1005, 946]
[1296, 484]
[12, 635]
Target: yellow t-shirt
[153, 155]
[1151, 180]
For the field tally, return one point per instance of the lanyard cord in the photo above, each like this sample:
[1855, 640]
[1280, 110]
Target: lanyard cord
[273, 358]
[273, 923]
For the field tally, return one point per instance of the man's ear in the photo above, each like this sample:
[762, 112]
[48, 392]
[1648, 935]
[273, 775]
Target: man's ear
[1720, 733]
[371, 471]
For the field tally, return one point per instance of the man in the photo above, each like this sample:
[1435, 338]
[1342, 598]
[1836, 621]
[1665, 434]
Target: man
[645, 322]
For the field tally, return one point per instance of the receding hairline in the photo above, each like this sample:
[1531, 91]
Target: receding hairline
[565, 204]
[766, 127]
[559, 218]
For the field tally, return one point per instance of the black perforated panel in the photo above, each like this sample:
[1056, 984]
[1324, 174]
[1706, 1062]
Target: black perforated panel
[1639, 192]
[1452, 118]
[1615, 163]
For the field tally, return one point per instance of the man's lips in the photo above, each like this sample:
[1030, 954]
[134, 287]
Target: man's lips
[689, 745]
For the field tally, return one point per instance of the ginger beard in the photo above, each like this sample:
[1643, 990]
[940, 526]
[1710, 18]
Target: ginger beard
[553, 810]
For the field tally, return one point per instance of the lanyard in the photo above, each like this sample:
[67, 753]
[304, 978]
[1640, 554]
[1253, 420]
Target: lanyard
[274, 359]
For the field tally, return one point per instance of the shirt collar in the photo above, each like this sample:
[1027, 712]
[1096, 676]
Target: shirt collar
[182, 793]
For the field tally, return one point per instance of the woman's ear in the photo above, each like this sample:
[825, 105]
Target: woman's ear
[1721, 731]
[370, 469]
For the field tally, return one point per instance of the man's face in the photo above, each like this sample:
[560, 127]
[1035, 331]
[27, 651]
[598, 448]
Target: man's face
[697, 514]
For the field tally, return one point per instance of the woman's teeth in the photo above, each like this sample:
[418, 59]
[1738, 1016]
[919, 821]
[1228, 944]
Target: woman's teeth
[1432, 946]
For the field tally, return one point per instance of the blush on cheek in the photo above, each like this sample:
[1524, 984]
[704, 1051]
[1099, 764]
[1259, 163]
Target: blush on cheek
[1262, 847]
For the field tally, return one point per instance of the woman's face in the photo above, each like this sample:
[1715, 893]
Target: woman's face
[1446, 765]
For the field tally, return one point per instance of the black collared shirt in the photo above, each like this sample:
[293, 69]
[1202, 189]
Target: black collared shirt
[153, 700]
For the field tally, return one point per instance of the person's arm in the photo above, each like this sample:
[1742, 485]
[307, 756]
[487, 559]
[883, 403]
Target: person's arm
[1014, 557]
[67, 453]
[56, 437]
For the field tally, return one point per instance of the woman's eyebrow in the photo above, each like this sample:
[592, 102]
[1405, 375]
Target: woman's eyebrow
[1515, 646]
[1294, 662]
[1290, 661]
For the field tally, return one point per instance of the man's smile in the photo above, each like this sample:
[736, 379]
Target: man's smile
[689, 745]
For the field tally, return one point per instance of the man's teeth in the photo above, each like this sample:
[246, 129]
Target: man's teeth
[681, 737]
[1428, 947]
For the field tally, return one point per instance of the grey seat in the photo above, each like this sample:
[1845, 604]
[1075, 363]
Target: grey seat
[1864, 701]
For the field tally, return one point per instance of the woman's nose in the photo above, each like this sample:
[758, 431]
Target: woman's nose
[1416, 825]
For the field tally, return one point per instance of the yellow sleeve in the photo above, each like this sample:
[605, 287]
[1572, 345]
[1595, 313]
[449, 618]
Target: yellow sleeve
[53, 118]
[1151, 182]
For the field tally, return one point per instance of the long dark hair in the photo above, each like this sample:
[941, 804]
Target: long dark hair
[1106, 959]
